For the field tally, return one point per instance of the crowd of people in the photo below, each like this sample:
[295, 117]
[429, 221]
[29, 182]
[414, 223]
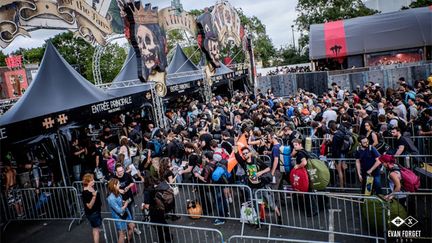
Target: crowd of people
[200, 139]
[286, 69]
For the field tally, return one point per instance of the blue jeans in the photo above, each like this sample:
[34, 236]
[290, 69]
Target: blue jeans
[221, 203]
[376, 184]
[77, 172]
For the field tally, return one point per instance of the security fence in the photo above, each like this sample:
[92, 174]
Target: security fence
[341, 214]
[152, 232]
[318, 82]
[257, 239]
[47, 203]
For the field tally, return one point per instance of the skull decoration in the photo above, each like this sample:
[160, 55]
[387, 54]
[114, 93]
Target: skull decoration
[210, 45]
[151, 42]
[147, 46]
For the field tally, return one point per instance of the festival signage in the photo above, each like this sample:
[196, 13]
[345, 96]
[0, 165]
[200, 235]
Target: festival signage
[170, 20]
[227, 23]
[111, 106]
[148, 39]
[93, 23]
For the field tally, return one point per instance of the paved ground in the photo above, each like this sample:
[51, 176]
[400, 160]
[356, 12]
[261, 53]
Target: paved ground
[56, 231]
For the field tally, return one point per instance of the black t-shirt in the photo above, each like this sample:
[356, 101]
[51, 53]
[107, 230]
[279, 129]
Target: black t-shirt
[227, 145]
[87, 197]
[77, 159]
[300, 156]
[125, 181]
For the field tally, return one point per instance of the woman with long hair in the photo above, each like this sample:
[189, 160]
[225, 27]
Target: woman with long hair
[119, 210]
[124, 149]
[92, 205]
[371, 134]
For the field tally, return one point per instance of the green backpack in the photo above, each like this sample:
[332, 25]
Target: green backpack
[372, 211]
[319, 174]
[355, 144]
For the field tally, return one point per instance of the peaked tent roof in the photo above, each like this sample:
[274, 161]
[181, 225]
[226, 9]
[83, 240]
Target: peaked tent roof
[223, 69]
[180, 62]
[129, 72]
[381, 32]
[57, 87]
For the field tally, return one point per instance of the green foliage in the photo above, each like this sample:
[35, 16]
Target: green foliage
[418, 4]
[289, 55]
[2, 59]
[263, 47]
[78, 53]
[320, 11]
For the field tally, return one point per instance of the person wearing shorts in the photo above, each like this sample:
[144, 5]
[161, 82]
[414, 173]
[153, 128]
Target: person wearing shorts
[92, 205]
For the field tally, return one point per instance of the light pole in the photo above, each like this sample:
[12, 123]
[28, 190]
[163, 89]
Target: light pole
[292, 28]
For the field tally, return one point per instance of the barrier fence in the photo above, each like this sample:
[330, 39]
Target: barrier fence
[257, 239]
[152, 232]
[339, 214]
[47, 203]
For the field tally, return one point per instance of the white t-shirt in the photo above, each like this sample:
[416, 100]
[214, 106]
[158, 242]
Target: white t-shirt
[329, 115]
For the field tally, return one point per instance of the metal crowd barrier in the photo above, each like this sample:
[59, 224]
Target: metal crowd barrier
[152, 232]
[213, 200]
[304, 131]
[209, 197]
[333, 214]
[352, 183]
[47, 203]
[423, 143]
[257, 239]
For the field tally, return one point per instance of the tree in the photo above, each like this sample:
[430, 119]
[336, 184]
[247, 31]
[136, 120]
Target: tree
[321, 11]
[2, 59]
[418, 4]
[263, 46]
[289, 55]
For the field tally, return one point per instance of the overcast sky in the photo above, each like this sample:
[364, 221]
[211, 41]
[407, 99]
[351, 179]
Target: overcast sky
[276, 15]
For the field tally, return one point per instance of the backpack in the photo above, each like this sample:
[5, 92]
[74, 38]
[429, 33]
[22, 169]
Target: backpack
[110, 165]
[299, 179]
[401, 124]
[355, 143]
[156, 147]
[347, 141]
[285, 159]
[223, 153]
[410, 181]
[319, 174]
[164, 197]
[221, 173]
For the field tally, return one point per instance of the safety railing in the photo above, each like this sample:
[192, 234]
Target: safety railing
[329, 213]
[423, 143]
[351, 182]
[153, 232]
[223, 202]
[47, 203]
[257, 239]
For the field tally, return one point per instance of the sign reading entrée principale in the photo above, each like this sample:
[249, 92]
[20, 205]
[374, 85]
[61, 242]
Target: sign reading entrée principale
[112, 105]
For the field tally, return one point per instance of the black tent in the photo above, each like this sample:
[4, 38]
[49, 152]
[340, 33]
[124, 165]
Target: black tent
[381, 32]
[51, 100]
[127, 81]
[222, 75]
[183, 74]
